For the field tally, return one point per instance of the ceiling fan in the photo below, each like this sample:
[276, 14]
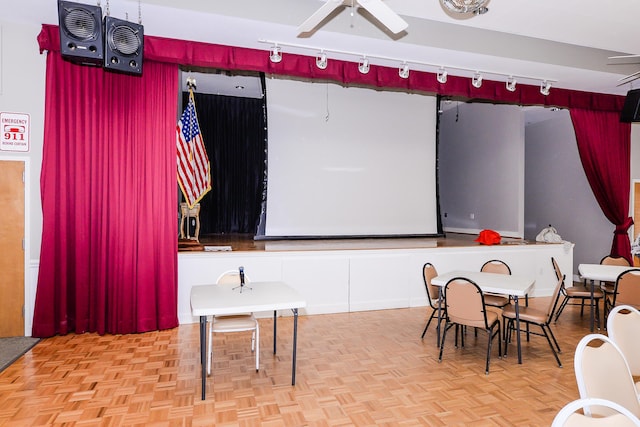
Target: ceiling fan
[376, 8]
[626, 59]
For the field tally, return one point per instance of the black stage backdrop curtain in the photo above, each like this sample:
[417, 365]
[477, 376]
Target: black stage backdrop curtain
[234, 133]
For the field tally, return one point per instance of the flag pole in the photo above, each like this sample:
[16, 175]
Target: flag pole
[191, 85]
[194, 174]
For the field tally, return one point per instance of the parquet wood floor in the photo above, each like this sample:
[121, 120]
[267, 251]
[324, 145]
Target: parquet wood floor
[364, 369]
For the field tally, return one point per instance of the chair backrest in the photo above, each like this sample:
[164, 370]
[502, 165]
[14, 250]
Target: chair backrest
[615, 260]
[433, 291]
[556, 269]
[555, 298]
[559, 275]
[496, 266]
[602, 372]
[627, 288]
[465, 303]
[569, 416]
[623, 324]
[231, 277]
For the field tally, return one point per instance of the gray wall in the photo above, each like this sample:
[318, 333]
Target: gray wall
[557, 191]
[490, 161]
[22, 82]
[481, 168]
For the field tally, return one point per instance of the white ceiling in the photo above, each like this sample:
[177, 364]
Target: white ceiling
[564, 40]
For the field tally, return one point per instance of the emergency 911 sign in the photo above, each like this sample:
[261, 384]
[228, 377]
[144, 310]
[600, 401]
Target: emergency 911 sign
[14, 132]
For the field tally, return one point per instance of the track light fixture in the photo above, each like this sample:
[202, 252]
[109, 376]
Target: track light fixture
[403, 71]
[276, 54]
[321, 60]
[477, 80]
[545, 87]
[363, 65]
[442, 75]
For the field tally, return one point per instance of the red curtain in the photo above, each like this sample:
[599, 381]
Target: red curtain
[108, 261]
[604, 145]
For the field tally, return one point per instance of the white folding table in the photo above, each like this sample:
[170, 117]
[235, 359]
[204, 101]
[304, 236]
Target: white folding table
[600, 273]
[506, 284]
[214, 300]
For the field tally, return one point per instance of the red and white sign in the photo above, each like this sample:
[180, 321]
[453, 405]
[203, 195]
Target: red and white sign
[14, 132]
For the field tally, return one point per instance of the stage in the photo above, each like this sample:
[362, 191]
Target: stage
[345, 275]
[246, 243]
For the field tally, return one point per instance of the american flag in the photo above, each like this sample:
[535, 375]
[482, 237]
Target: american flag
[194, 175]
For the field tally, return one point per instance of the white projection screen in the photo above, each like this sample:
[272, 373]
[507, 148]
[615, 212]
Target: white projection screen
[349, 162]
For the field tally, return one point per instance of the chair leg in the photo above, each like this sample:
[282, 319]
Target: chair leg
[607, 306]
[489, 334]
[505, 329]
[507, 335]
[562, 306]
[554, 339]
[509, 329]
[444, 334]
[457, 332]
[433, 314]
[499, 341]
[550, 344]
[441, 324]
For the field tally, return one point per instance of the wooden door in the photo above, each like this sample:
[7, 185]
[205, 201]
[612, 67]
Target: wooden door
[635, 197]
[11, 248]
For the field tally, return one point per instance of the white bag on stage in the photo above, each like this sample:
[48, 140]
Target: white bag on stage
[549, 235]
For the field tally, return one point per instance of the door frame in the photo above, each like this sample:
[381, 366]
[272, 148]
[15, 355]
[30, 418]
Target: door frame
[29, 285]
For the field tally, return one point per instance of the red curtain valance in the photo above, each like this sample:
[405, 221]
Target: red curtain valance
[199, 54]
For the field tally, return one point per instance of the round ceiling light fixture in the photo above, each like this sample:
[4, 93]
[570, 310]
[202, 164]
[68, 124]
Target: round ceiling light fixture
[475, 7]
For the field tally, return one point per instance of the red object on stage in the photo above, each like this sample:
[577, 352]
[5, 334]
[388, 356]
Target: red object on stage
[489, 237]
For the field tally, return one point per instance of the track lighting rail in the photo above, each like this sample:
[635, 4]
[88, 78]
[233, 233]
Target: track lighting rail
[404, 65]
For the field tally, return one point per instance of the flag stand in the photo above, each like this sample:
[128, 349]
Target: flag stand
[187, 213]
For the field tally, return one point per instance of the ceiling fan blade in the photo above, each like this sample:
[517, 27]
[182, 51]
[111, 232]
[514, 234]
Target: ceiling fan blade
[384, 14]
[628, 79]
[319, 15]
[623, 59]
[624, 56]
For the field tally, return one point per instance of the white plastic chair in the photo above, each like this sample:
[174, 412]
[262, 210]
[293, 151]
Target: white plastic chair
[602, 372]
[234, 323]
[623, 325]
[570, 417]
